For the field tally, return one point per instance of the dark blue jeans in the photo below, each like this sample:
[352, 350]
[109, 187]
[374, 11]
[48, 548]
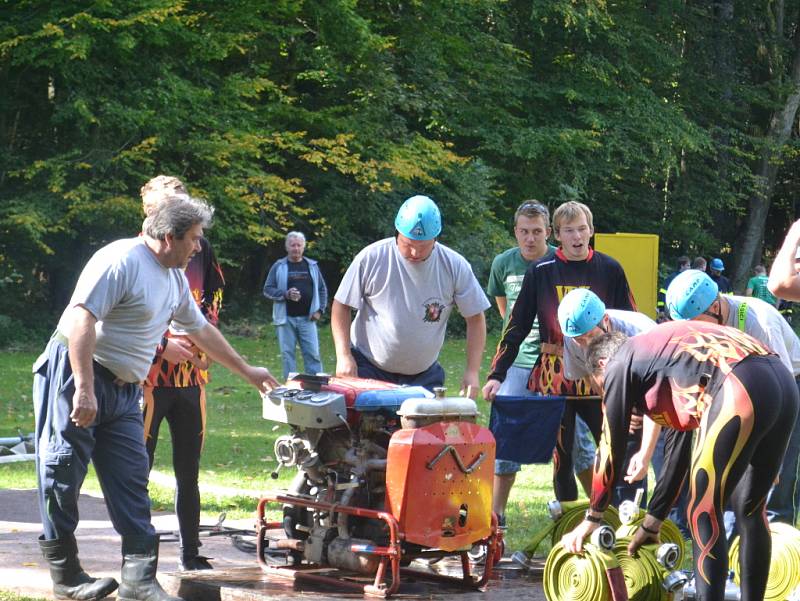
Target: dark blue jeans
[114, 443]
[430, 378]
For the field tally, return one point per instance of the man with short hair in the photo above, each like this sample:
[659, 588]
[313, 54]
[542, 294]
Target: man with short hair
[757, 286]
[86, 393]
[175, 388]
[574, 265]
[716, 268]
[699, 263]
[583, 317]
[403, 290]
[683, 264]
[741, 401]
[531, 230]
[694, 295]
[299, 296]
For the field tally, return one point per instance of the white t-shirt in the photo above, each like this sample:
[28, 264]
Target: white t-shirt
[764, 323]
[627, 322]
[403, 306]
[134, 299]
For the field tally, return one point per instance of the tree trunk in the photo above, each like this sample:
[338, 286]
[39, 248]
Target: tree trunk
[778, 134]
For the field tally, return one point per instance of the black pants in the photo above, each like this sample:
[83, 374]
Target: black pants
[736, 455]
[564, 485]
[184, 410]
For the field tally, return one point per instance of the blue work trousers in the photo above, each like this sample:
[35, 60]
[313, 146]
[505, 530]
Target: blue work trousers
[303, 331]
[431, 378]
[114, 443]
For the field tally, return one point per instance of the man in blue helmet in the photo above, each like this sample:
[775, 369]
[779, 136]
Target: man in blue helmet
[403, 290]
[717, 267]
[694, 295]
[583, 317]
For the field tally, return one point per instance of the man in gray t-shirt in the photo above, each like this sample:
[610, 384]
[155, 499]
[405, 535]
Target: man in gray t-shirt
[86, 393]
[403, 290]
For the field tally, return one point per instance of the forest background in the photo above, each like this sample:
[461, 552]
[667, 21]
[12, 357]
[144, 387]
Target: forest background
[674, 117]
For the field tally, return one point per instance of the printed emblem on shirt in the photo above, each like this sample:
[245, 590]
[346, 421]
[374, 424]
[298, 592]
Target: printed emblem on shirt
[562, 291]
[433, 310]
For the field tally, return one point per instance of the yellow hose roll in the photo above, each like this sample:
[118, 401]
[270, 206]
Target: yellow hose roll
[784, 569]
[566, 516]
[669, 534]
[644, 575]
[578, 577]
[574, 514]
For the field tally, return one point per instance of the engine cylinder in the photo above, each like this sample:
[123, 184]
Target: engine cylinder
[340, 556]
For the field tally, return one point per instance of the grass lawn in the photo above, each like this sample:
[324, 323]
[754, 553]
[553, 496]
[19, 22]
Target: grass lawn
[238, 451]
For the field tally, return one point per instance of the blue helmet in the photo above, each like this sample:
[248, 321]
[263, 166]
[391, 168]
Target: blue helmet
[717, 264]
[419, 219]
[580, 311]
[691, 293]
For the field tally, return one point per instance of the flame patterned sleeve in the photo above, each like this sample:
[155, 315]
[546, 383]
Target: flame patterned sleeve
[618, 402]
[517, 329]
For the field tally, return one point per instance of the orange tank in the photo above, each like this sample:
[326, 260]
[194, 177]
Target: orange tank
[439, 484]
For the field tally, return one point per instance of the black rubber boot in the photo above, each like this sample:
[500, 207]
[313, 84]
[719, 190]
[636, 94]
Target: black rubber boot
[69, 579]
[139, 565]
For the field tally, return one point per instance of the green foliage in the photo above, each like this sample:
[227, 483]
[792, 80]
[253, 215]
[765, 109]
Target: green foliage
[323, 115]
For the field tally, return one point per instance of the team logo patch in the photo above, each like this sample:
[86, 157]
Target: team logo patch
[433, 311]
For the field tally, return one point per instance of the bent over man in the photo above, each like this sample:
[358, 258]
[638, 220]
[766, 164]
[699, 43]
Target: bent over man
[86, 393]
[741, 400]
[403, 290]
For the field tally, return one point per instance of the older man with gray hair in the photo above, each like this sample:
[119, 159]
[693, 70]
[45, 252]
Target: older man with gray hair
[86, 393]
[299, 296]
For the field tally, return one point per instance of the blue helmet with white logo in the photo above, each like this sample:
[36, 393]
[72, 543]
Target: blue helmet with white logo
[580, 311]
[419, 219]
[690, 294]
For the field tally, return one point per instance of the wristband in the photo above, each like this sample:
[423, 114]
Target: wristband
[592, 518]
[648, 530]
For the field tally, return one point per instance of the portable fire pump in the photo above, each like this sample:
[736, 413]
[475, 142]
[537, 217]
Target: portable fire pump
[385, 475]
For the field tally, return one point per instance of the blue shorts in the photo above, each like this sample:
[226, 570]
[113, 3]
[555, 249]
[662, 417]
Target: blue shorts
[583, 447]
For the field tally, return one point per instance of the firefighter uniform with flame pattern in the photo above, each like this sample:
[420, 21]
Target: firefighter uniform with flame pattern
[547, 282]
[176, 392]
[741, 400]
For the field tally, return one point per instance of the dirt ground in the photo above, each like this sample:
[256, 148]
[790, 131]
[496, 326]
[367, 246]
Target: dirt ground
[236, 577]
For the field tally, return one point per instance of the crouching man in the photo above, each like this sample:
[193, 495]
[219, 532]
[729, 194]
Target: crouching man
[86, 394]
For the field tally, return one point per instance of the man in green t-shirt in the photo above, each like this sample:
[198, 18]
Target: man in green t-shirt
[757, 286]
[531, 229]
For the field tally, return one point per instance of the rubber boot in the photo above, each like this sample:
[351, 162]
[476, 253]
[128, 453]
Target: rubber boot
[69, 579]
[139, 565]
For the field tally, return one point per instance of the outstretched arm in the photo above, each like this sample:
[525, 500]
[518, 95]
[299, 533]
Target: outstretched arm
[341, 319]
[476, 340]
[783, 279]
[211, 340]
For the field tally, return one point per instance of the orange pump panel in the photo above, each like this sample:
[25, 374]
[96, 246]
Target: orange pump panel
[435, 501]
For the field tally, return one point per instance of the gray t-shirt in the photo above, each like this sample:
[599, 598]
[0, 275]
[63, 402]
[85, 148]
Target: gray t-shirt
[627, 322]
[403, 306]
[134, 299]
[764, 323]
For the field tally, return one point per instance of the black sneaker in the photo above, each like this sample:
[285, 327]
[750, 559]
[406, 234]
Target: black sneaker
[196, 562]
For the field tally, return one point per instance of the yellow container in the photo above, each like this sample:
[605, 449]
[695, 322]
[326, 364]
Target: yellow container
[638, 255]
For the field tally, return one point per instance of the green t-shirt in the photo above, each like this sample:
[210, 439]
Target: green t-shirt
[758, 284]
[505, 279]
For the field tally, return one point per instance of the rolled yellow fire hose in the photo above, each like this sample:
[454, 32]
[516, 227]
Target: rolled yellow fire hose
[631, 516]
[566, 515]
[784, 570]
[650, 575]
[592, 575]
